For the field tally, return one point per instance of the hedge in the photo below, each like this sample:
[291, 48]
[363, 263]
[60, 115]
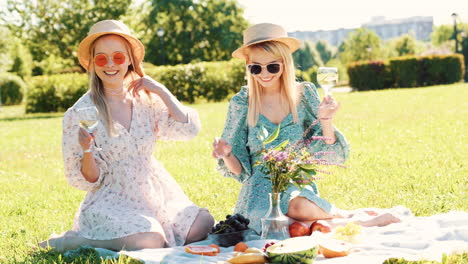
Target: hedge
[55, 92]
[213, 81]
[12, 88]
[372, 75]
[405, 71]
[410, 71]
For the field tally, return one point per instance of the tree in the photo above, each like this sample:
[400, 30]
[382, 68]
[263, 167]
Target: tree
[405, 45]
[306, 57]
[361, 44]
[203, 30]
[324, 51]
[5, 50]
[56, 27]
[15, 56]
[444, 33]
[464, 51]
[441, 34]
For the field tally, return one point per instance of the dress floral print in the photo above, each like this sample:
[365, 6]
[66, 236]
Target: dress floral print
[253, 200]
[134, 193]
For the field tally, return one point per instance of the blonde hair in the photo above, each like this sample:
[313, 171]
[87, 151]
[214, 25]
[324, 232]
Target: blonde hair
[289, 92]
[96, 87]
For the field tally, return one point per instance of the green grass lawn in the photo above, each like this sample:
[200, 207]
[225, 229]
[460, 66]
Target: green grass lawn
[408, 147]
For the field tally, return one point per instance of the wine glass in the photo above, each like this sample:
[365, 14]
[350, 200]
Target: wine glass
[88, 118]
[327, 77]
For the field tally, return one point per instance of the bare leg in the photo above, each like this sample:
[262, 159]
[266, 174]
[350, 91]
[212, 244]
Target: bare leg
[71, 240]
[303, 210]
[200, 227]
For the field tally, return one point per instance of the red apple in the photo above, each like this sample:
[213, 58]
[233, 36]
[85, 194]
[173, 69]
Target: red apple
[298, 229]
[320, 226]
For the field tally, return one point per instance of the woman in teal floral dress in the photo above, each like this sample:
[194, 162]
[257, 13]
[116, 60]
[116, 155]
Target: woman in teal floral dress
[273, 97]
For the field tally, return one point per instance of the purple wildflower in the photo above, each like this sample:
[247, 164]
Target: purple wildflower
[281, 155]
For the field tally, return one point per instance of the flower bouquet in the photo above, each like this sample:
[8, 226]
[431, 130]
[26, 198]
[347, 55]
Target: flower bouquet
[286, 165]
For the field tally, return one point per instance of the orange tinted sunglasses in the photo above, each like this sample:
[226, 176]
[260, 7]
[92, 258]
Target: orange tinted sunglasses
[118, 58]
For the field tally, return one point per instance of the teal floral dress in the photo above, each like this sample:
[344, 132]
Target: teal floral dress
[253, 201]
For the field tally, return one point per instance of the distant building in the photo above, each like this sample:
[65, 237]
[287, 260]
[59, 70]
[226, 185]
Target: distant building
[419, 27]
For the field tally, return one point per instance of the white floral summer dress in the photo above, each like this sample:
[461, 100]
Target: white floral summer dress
[134, 193]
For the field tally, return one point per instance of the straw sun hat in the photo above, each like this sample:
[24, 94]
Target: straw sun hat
[107, 27]
[265, 32]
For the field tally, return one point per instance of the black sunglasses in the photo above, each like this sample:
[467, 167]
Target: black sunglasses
[257, 68]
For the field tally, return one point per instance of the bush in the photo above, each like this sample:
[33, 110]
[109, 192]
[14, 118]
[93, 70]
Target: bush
[312, 73]
[53, 64]
[55, 93]
[22, 61]
[213, 81]
[12, 89]
[411, 71]
[302, 76]
[404, 71]
[369, 75]
[444, 69]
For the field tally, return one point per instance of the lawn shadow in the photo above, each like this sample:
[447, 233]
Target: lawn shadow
[28, 117]
[84, 255]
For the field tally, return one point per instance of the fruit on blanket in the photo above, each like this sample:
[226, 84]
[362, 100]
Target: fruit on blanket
[201, 250]
[294, 250]
[299, 229]
[267, 245]
[348, 232]
[253, 250]
[240, 247]
[332, 248]
[215, 246]
[320, 226]
[233, 223]
[230, 231]
[248, 258]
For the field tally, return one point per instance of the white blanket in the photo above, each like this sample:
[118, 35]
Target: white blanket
[415, 238]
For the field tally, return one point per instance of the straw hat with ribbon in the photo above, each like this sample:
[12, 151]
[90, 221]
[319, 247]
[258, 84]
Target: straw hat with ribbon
[110, 27]
[265, 32]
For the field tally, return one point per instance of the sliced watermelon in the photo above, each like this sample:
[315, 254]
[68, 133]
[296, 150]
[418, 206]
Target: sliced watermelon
[297, 250]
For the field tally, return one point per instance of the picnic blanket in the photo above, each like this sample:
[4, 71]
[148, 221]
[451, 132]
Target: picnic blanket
[414, 238]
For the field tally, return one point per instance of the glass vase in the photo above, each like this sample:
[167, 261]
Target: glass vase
[275, 223]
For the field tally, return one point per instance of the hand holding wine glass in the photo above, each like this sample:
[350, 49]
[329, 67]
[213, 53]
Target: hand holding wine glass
[88, 121]
[327, 77]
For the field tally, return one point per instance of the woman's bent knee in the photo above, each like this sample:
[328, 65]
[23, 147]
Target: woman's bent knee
[206, 217]
[200, 227]
[303, 209]
[145, 240]
[297, 208]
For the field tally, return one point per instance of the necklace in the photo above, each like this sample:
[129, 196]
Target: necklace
[114, 91]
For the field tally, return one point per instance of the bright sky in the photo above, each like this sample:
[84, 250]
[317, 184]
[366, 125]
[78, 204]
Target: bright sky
[312, 15]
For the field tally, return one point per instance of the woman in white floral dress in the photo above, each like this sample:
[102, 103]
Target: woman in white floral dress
[132, 202]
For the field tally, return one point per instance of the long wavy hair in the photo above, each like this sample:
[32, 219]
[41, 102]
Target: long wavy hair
[289, 92]
[96, 87]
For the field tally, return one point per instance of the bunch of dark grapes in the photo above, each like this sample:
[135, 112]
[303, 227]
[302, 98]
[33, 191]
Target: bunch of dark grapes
[233, 223]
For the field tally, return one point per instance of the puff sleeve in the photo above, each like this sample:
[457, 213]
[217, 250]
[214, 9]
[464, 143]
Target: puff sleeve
[235, 133]
[72, 155]
[340, 149]
[168, 128]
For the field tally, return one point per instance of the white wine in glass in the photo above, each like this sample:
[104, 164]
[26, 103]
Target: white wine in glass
[89, 119]
[327, 77]
[89, 125]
